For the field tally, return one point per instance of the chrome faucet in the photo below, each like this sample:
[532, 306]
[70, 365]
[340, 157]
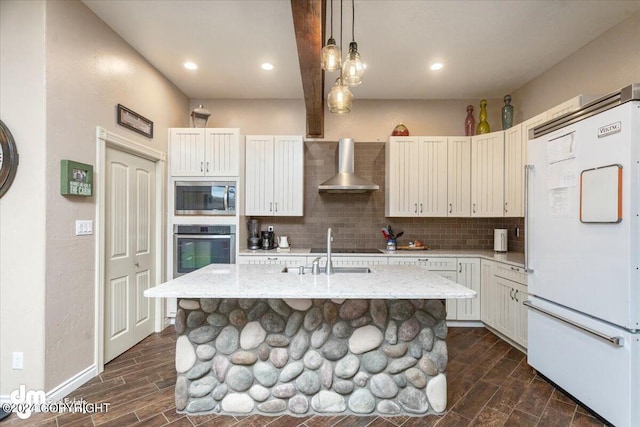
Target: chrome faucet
[329, 268]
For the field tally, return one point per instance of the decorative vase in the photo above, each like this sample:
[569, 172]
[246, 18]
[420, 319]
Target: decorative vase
[469, 122]
[507, 113]
[400, 130]
[483, 125]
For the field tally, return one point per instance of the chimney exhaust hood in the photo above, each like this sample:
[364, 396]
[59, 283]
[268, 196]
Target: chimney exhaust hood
[346, 181]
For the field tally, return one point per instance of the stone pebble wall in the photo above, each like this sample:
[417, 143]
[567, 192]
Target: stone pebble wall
[303, 356]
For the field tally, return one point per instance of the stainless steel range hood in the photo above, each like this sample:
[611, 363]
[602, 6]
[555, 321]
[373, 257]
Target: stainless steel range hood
[346, 181]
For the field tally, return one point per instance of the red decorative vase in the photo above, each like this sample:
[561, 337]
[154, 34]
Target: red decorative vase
[400, 130]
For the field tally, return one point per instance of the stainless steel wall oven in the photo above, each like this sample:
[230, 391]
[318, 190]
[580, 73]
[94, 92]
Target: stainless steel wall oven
[198, 245]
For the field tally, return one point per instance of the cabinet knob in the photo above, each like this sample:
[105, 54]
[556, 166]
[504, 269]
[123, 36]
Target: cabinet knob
[276, 206]
[505, 207]
[515, 296]
[515, 268]
[420, 207]
[423, 259]
[201, 166]
[511, 293]
[416, 208]
[450, 208]
[270, 206]
[272, 259]
[207, 166]
[474, 208]
[460, 270]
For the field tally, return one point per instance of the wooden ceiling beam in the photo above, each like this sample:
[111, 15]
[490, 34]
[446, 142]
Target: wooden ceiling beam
[309, 23]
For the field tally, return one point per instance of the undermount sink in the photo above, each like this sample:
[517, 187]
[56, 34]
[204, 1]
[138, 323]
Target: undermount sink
[307, 270]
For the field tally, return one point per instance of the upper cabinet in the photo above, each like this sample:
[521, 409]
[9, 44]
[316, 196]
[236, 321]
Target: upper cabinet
[427, 176]
[204, 151]
[515, 153]
[487, 175]
[274, 175]
[459, 176]
[417, 176]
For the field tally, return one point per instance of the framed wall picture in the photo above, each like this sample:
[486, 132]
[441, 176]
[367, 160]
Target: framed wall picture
[76, 179]
[134, 121]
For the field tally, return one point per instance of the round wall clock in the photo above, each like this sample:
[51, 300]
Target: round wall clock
[8, 159]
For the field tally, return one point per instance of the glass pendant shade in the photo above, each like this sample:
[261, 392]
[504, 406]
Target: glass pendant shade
[340, 98]
[331, 56]
[352, 68]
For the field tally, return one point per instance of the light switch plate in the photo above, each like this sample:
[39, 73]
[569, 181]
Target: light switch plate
[84, 228]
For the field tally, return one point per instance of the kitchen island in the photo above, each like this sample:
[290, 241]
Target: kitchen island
[266, 339]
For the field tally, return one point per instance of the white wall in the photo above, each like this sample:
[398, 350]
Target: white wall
[22, 208]
[368, 121]
[63, 73]
[608, 63]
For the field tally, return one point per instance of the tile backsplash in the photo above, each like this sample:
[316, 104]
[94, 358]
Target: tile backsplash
[356, 219]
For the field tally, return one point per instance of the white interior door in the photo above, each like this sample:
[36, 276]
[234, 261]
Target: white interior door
[130, 251]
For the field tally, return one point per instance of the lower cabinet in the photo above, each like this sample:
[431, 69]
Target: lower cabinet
[465, 271]
[503, 292]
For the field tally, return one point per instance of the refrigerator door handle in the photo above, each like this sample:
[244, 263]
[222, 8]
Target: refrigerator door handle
[617, 341]
[527, 169]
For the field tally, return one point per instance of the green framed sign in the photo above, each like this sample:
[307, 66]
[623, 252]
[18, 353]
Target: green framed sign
[76, 179]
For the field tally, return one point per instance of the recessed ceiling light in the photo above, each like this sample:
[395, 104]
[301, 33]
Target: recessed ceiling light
[437, 66]
[267, 66]
[190, 66]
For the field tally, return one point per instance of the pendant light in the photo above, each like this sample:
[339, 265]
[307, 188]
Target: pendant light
[353, 68]
[340, 98]
[331, 55]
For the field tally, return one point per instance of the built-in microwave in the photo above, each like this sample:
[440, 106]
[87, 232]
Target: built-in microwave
[205, 198]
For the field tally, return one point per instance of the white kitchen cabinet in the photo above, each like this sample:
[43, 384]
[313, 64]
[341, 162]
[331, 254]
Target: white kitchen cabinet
[459, 176]
[272, 259]
[465, 271]
[469, 276]
[487, 175]
[416, 177]
[488, 294]
[509, 293]
[274, 175]
[515, 153]
[204, 151]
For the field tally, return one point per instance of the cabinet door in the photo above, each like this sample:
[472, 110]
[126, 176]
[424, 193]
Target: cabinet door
[487, 175]
[469, 276]
[432, 177]
[451, 304]
[567, 106]
[288, 176]
[259, 175]
[459, 177]
[520, 315]
[401, 177]
[514, 160]
[488, 295]
[221, 150]
[187, 151]
[504, 306]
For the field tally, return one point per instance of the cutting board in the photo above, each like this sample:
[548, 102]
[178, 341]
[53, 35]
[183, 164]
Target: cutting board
[412, 248]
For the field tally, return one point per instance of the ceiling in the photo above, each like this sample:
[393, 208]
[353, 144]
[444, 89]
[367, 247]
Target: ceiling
[488, 48]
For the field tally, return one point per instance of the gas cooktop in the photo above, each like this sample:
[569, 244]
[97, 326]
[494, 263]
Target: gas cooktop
[346, 251]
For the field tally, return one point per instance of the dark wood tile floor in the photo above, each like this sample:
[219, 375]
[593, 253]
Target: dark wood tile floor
[489, 384]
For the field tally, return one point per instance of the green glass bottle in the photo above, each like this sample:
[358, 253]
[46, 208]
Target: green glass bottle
[483, 124]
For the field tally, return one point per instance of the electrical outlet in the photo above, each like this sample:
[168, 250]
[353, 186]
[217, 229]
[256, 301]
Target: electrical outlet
[17, 360]
[517, 231]
[270, 228]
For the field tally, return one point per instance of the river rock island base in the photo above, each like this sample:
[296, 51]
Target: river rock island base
[241, 356]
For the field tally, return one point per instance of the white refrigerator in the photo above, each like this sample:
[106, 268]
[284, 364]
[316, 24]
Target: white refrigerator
[582, 252]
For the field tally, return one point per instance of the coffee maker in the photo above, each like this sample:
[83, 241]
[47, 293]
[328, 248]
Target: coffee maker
[254, 241]
[268, 240]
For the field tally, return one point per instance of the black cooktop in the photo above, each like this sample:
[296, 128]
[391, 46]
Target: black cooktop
[346, 251]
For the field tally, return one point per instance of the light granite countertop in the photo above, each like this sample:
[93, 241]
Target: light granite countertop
[268, 281]
[514, 258]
